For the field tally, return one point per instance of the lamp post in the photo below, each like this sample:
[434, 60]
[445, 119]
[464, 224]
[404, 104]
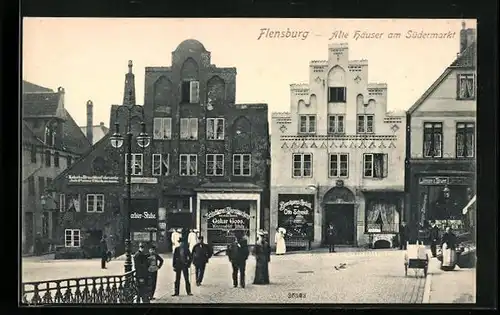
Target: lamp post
[143, 140]
[446, 195]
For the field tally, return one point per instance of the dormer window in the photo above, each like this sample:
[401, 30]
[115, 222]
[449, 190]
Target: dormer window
[50, 135]
[466, 86]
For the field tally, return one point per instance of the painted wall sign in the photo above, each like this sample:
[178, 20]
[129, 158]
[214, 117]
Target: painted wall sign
[144, 180]
[84, 179]
[296, 215]
[144, 214]
[228, 219]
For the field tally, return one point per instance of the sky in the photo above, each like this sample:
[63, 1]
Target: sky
[88, 57]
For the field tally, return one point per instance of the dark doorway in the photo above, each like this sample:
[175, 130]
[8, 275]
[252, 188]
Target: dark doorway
[28, 231]
[342, 217]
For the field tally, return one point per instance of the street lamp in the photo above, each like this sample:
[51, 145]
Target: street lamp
[315, 189]
[143, 140]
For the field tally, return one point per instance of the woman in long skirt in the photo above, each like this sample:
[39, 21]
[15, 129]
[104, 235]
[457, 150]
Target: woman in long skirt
[448, 247]
[263, 256]
[279, 240]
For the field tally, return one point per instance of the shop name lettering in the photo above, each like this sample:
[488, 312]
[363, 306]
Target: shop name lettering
[227, 221]
[295, 203]
[227, 211]
[144, 215]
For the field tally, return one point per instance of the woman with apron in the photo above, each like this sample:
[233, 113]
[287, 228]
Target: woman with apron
[448, 247]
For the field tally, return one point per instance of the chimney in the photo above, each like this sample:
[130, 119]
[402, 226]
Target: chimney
[467, 37]
[90, 123]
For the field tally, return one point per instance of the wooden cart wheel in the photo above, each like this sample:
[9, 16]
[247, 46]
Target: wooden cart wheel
[406, 270]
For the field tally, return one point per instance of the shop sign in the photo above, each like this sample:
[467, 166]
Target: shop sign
[144, 214]
[296, 214]
[84, 179]
[143, 180]
[296, 207]
[444, 181]
[228, 219]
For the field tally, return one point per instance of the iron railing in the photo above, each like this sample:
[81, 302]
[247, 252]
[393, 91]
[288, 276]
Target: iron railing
[101, 290]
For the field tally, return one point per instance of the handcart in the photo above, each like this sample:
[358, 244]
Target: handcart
[416, 258]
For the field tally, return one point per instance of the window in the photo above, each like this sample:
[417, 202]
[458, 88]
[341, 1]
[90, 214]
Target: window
[465, 140]
[162, 128]
[137, 163]
[41, 185]
[31, 186]
[50, 135]
[95, 203]
[433, 139]
[190, 92]
[307, 124]
[188, 165]
[242, 164]
[161, 164]
[215, 164]
[189, 128]
[69, 160]
[381, 217]
[62, 202]
[33, 153]
[56, 159]
[336, 124]
[71, 238]
[215, 128]
[339, 165]
[302, 165]
[365, 123]
[466, 88]
[47, 158]
[336, 94]
[49, 183]
[375, 165]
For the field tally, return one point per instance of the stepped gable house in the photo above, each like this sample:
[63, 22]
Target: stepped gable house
[441, 145]
[338, 156]
[206, 166]
[51, 141]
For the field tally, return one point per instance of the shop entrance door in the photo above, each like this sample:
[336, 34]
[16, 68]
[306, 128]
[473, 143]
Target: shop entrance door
[342, 217]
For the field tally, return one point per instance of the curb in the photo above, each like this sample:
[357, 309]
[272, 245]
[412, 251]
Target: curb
[427, 289]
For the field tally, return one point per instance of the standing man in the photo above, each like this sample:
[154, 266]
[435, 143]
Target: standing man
[103, 249]
[403, 235]
[201, 255]
[142, 274]
[181, 262]
[330, 234]
[155, 262]
[238, 254]
[434, 237]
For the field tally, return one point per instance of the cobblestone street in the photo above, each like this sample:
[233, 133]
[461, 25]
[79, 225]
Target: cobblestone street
[368, 277]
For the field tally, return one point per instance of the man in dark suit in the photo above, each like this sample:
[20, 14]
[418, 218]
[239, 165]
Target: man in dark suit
[103, 248]
[403, 235]
[155, 262]
[330, 235]
[238, 254]
[141, 263]
[181, 262]
[434, 238]
[201, 254]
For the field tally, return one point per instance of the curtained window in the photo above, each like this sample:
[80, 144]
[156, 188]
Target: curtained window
[466, 86]
[382, 217]
[433, 139]
[465, 140]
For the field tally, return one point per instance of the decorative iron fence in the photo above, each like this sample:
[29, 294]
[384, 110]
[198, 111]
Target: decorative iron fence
[102, 290]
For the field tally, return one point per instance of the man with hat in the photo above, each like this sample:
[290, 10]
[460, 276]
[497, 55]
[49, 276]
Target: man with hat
[155, 262]
[181, 262]
[201, 254]
[141, 264]
[238, 254]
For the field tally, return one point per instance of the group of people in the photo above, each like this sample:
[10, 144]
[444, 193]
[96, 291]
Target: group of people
[447, 241]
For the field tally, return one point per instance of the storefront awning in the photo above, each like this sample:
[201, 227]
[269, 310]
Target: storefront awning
[470, 204]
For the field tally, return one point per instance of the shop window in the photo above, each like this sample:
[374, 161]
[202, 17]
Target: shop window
[302, 165]
[72, 238]
[375, 165]
[307, 123]
[433, 139]
[382, 218]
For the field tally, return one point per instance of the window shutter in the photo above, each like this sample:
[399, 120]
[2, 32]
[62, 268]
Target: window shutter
[184, 128]
[157, 128]
[385, 165]
[167, 128]
[194, 88]
[193, 128]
